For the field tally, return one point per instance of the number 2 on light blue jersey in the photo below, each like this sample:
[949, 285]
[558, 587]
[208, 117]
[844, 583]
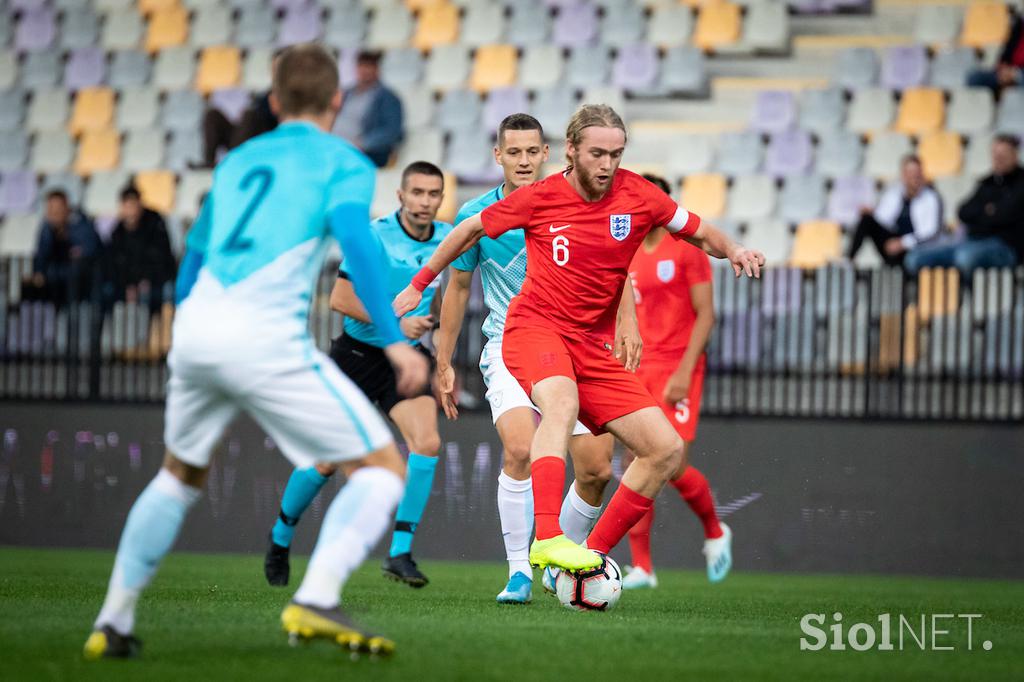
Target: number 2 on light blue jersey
[264, 176]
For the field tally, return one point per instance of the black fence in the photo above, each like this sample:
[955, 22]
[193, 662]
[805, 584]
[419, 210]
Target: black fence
[832, 342]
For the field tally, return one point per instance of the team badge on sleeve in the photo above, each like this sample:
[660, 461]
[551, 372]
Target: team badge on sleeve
[666, 270]
[620, 226]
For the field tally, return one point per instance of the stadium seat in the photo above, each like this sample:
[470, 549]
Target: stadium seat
[822, 110]
[157, 189]
[48, 110]
[670, 26]
[420, 5]
[137, 108]
[211, 25]
[122, 31]
[816, 243]
[484, 24]
[174, 69]
[904, 66]
[950, 67]
[418, 108]
[606, 94]
[986, 24]
[19, 234]
[686, 154]
[840, 153]
[402, 67]
[541, 67]
[232, 102]
[941, 153]
[143, 149]
[167, 28]
[182, 110]
[588, 66]
[954, 190]
[704, 194]
[752, 197]
[937, 25]
[148, 7]
[978, 161]
[971, 110]
[300, 24]
[882, 159]
[93, 110]
[553, 107]
[426, 145]
[871, 109]
[500, 103]
[98, 150]
[41, 70]
[789, 152]
[802, 198]
[576, 25]
[636, 68]
[391, 27]
[52, 151]
[193, 185]
[219, 67]
[683, 72]
[447, 67]
[79, 27]
[66, 181]
[922, 110]
[529, 24]
[450, 204]
[110, 6]
[469, 157]
[256, 26]
[384, 191]
[622, 25]
[185, 148]
[36, 29]
[849, 195]
[766, 27]
[129, 69]
[772, 237]
[346, 27]
[459, 110]
[12, 110]
[774, 111]
[739, 153]
[493, 67]
[85, 68]
[856, 68]
[718, 25]
[103, 192]
[8, 69]
[18, 192]
[13, 150]
[1011, 111]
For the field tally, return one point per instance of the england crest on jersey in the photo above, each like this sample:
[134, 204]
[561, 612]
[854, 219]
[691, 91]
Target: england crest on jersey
[620, 226]
[666, 270]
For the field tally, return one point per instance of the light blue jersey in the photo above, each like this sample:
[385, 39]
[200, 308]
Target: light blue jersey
[405, 257]
[502, 264]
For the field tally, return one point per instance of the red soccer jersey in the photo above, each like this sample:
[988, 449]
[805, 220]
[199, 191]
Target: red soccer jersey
[578, 252]
[661, 282]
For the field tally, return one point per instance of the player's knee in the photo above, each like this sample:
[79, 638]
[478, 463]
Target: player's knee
[670, 457]
[517, 453]
[595, 476]
[325, 469]
[386, 457]
[186, 473]
[428, 445]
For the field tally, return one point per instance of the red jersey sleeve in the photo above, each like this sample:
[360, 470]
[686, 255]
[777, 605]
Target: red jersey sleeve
[513, 211]
[695, 264]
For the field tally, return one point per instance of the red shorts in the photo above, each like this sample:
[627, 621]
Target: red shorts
[533, 352]
[685, 414]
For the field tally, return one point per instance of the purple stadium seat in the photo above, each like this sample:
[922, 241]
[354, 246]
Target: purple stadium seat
[576, 24]
[291, 4]
[301, 24]
[86, 67]
[636, 67]
[36, 30]
[17, 192]
[849, 195]
[774, 111]
[347, 66]
[905, 66]
[789, 153]
[231, 102]
[501, 102]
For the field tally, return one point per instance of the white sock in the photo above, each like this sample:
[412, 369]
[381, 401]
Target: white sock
[149, 533]
[515, 509]
[577, 518]
[352, 526]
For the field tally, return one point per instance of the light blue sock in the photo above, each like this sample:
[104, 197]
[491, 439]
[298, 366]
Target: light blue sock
[303, 486]
[418, 480]
[149, 533]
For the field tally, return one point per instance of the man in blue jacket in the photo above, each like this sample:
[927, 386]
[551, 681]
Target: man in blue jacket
[63, 267]
[371, 114]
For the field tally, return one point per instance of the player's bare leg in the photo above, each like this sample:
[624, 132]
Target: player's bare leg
[592, 464]
[416, 419]
[515, 501]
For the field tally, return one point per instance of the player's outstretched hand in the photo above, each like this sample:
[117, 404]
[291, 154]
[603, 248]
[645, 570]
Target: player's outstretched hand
[446, 391]
[406, 300]
[410, 368]
[746, 262]
[416, 326]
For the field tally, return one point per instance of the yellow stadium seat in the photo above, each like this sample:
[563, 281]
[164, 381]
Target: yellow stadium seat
[718, 25]
[148, 7]
[93, 110]
[157, 189]
[985, 24]
[438, 25]
[941, 153]
[219, 67]
[494, 67]
[704, 194]
[450, 204]
[167, 28]
[816, 243]
[922, 110]
[417, 5]
[98, 150]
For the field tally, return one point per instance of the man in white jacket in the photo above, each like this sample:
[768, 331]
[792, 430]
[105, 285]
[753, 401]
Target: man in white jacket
[908, 213]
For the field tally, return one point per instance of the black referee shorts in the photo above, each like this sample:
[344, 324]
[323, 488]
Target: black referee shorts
[369, 368]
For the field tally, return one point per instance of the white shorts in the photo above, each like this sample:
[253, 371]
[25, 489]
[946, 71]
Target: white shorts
[503, 390]
[311, 410]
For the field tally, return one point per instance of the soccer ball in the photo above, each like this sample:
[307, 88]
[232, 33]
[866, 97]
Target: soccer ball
[593, 589]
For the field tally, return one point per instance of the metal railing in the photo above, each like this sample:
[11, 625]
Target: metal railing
[832, 342]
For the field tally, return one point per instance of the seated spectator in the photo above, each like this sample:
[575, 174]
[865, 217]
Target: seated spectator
[909, 213]
[64, 266]
[993, 218]
[220, 133]
[1008, 68]
[371, 114]
[140, 256]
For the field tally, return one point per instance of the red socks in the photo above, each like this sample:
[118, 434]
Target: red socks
[696, 492]
[640, 542]
[625, 509]
[548, 475]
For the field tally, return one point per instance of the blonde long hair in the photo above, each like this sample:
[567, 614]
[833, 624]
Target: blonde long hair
[587, 116]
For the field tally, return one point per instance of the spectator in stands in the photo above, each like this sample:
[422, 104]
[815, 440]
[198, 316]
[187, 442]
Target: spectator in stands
[909, 213]
[993, 218]
[1008, 69]
[63, 268]
[140, 256]
[371, 114]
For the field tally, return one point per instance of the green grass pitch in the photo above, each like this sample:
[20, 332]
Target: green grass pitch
[211, 617]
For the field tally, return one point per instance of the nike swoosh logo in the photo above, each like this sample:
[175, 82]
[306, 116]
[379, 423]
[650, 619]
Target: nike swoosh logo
[552, 228]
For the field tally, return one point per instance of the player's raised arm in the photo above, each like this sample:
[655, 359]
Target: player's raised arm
[453, 311]
[717, 243]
